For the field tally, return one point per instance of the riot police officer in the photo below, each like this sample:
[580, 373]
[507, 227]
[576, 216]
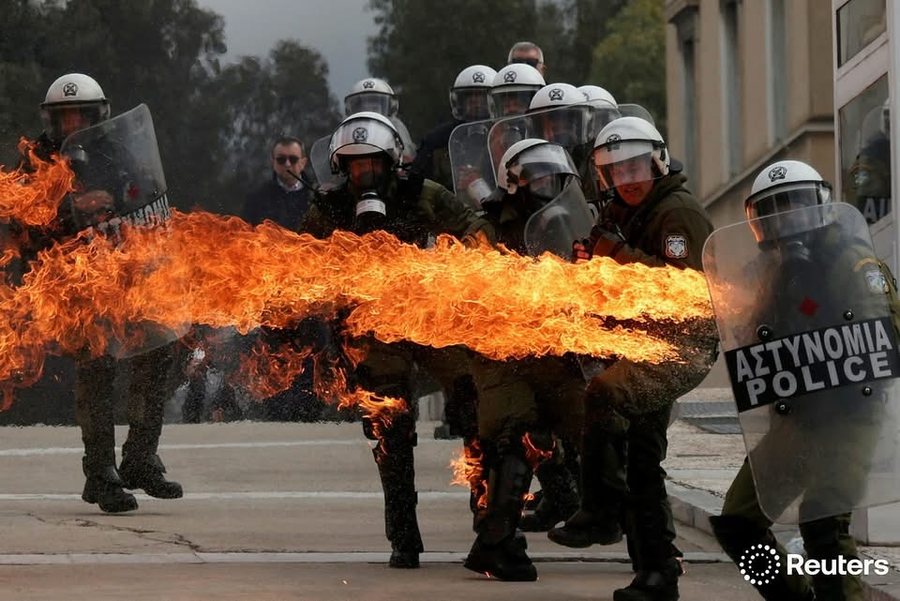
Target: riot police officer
[810, 462]
[525, 403]
[654, 220]
[468, 102]
[76, 101]
[367, 150]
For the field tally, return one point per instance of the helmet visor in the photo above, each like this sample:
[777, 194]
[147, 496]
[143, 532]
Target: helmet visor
[375, 102]
[545, 188]
[62, 120]
[779, 212]
[470, 104]
[510, 101]
[630, 163]
[565, 126]
[368, 172]
[540, 162]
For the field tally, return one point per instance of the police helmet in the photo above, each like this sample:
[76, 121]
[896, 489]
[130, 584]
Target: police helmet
[371, 94]
[73, 92]
[780, 201]
[512, 89]
[629, 139]
[470, 92]
[361, 134]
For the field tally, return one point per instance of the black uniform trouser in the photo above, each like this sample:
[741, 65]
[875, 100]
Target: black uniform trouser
[150, 384]
[649, 523]
[385, 371]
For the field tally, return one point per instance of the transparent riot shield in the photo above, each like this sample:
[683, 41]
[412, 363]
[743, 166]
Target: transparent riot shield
[803, 315]
[320, 160]
[559, 223]
[573, 127]
[120, 181]
[470, 163]
[117, 159]
[635, 110]
[409, 147]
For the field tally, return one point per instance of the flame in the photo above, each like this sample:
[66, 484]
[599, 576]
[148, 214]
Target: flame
[32, 198]
[534, 455]
[83, 294]
[468, 470]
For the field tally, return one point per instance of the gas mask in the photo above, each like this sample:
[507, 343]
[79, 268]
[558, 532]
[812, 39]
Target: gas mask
[368, 178]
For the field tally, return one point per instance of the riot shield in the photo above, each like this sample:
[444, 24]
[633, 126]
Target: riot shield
[120, 180]
[805, 323]
[470, 163]
[320, 160]
[409, 147]
[120, 159]
[635, 110]
[573, 127]
[559, 223]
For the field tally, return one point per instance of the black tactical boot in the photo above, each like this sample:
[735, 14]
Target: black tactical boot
[559, 500]
[396, 467]
[103, 486]
[652, 585]
[603, 485]
[737, 535]
[826, 539]
[499, 550]
[147, 473]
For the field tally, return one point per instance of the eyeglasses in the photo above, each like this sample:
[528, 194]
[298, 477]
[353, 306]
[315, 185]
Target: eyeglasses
[534, 62]
[282, 159]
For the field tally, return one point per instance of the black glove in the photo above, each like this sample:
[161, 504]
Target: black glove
[602, 243]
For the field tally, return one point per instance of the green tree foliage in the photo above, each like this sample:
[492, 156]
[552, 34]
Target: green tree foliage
[421, 46]
[21, 74]
[214, 124]
[584, 23]
[630, 60]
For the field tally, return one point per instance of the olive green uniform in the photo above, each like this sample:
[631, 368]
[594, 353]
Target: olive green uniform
[534, 396]
[518, 395]
[416, 208]
[627, 406]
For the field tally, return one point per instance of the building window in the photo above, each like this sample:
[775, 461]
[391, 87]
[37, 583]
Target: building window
[866, 151]
[686, 27]
[777, 66]
[859, 22]
[731, 86]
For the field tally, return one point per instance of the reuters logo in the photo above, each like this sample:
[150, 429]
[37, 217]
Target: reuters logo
[759, 564]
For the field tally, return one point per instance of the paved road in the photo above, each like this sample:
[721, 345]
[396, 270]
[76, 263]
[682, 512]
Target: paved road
[274, 512]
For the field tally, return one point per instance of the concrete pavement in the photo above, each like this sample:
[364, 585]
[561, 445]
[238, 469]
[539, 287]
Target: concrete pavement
[294, 511]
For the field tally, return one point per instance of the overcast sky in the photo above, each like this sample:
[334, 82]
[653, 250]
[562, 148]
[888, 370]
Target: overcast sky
[338, 29]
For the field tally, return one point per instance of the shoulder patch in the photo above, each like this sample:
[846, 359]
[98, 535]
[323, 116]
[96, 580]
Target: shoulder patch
[876, 281]
[676, 246]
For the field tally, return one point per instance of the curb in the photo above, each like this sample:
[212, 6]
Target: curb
[694, 506]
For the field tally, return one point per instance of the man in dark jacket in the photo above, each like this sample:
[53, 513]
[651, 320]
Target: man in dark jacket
[652, 219]
[285, 198]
